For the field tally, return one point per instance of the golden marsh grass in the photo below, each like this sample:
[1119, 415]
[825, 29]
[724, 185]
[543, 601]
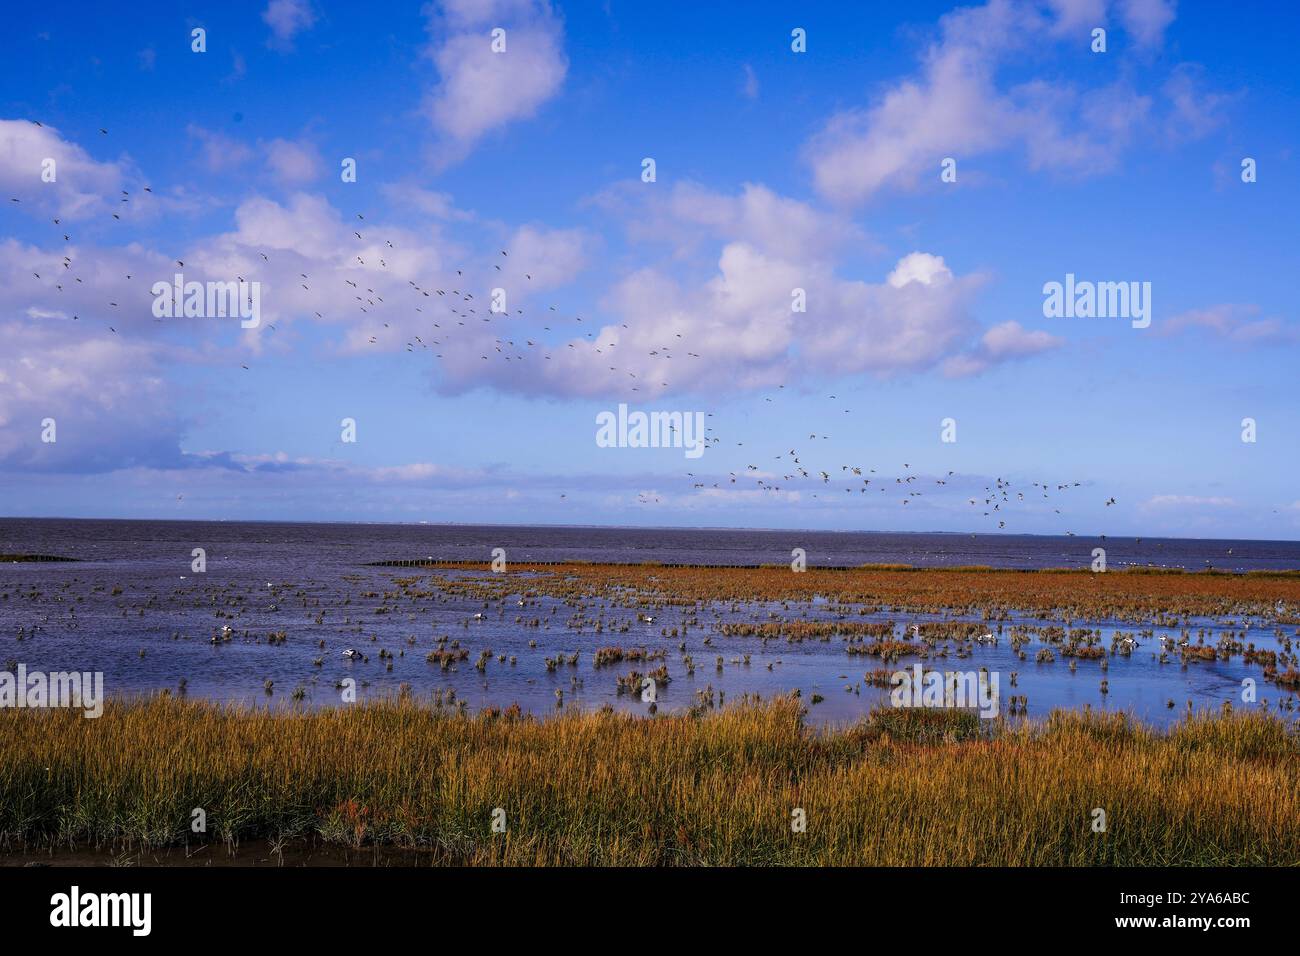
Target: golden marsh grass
[902, 787]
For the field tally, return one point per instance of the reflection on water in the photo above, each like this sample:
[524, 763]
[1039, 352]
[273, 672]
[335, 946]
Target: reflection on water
[137, 612]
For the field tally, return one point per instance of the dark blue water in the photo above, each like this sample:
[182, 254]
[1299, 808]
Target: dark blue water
[245, 545]
[133, 608]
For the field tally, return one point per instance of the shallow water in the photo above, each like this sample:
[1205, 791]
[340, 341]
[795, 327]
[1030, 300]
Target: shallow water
[310, 582]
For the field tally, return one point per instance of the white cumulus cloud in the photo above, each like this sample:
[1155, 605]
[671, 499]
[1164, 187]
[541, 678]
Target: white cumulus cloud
[480, 90]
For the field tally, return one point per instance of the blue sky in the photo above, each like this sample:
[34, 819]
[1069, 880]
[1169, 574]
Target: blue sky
[774, 170]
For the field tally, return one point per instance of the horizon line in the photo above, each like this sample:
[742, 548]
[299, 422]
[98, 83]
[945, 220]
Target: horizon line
[619, 527]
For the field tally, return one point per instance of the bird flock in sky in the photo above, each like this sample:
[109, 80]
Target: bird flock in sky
[453, 307]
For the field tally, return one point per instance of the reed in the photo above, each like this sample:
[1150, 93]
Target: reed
[901, 787]
[1133, 596]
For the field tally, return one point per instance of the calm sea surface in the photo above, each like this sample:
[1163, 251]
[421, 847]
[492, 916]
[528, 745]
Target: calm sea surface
[132, 607]
[245, 545]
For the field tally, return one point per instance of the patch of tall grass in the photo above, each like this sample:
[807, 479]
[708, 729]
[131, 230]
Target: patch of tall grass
[901, 787]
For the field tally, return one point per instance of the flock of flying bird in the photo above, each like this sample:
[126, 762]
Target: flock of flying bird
[994, 501]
